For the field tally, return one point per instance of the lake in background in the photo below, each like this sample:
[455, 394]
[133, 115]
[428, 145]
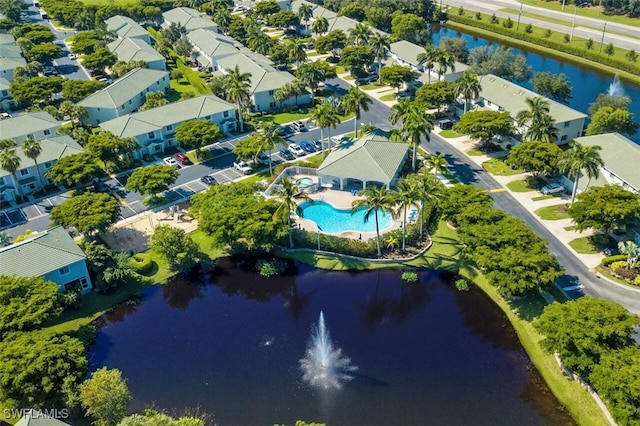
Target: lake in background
[426, 353]
[587, 83]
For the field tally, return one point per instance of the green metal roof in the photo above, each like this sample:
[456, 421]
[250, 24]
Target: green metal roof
[44, 252]
[264, 76]
[38, 418]
[134, 49]
[10, 51]
[371, 158]
[125, 88]
[212, 44]
[621, 157]
[125, 27]
[190, 18]
[11, 63]
[26, 124]
[512, 97]
[53, 149]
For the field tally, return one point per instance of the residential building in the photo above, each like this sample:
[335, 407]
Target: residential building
[502, 95]
[133, 49]
[125, 27]
[38, 418]
[154, 129]
[373, 158]
[406, 53]
[10, 58]
[124, 95]
[52, 255]
[208, 45]
[190, 18]
[31, 177]
[36, 125]
[6, 100]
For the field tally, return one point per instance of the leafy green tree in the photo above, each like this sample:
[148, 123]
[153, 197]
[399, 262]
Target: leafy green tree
[608, 120]
[152, 179]
[457, 46]
[499, 61]
[554, 86]
[410, 27]
[265, 8]
[120, 68]
[99, 60]
[356, 101]
[183, 47]
[198, 134]
[320, 26]
[88, 212]
[35, 364]
[39, 36]
[105, 395]
[44, 52]
[153, 418]
[379, 17]
[605, 100]
[459, 197]
[360, 34]
[5, 239]
[11, 9]
[353, 11]
[468, 86]
[176, 246]
[73, 170]
[602, 207]
[153, 100]
[581, 331]
[35, 91]
[311, 74]
[437, 94]
[288, 193]
[579, 158]
[332, 42]
[355, 58]
[376, 200]
[10, 162]
[76, 90]
[75, 113]
[485, 125]
[325, 116]
[396, 75]
[283, 19]
[86, 42]
[105, 146]
[26, 302]
[292, 89]
[535, 157]
[32, 69]
[174, 32]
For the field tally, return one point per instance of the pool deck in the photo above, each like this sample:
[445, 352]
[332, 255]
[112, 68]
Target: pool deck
[341, 200]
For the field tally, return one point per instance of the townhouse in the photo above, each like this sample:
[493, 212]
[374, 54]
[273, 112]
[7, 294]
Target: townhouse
[35, 125]
[191, 19]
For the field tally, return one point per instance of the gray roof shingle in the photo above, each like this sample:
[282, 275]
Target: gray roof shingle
[120, 91]
[134, 49]
[26, 124]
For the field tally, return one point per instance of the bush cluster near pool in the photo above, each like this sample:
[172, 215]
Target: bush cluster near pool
[141, 263]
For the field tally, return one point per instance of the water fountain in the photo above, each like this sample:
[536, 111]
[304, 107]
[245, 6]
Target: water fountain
[615, 88]
[323, 365]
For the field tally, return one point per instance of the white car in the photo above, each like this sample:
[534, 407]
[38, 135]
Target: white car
[170, 161]
[552, 188]
[72, 56]
[295, 149]
[242, 167]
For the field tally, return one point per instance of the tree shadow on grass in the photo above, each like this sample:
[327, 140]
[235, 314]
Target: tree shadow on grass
[527, 307]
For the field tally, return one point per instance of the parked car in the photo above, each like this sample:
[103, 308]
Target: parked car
[4, 115]
[298, 126]
[306, 145]
[404, 95]
[552, 188]
[208, 180]
[611, 251]
[445, 124]
[367, 79]
[263, 159]
[295, 149]
[170, 161]
[316, 144]
[181, 158]
[286, 154]
[99, 186]
[72, 56]
[242, 167]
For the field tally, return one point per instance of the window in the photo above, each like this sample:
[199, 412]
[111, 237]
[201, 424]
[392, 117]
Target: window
[122, 107]
[129, 101]
[563, 138]
[24, 172]
[84, 283]
[151, 135]
[47, 132]
[64, 270]
[48, 164]
[271, 92]
[98, 109]
[566, 124]
[225, 114]
[272, 104]
[5, 93]
[169, 127]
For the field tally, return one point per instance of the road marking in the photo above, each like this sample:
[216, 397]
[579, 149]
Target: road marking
[497, 190]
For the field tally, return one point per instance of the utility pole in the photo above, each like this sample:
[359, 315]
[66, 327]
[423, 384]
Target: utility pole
[563, 2]
[604, 28]
[599, 8]
[575, 9]
[519, 14]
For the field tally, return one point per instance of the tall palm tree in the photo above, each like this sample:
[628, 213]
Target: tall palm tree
[406, 195]
[32, 149]
[631, 249]
[375, 200]
[268, 138]
[356, 101]
[293, 88]
[7, 143]
[537, 109]
[429, 190]
[438, 163]
[446, 61]
[288, 192]
[10, 162]
[468, 87]
[380, 43]
[238, 91]
[545, 130]
[325, 116]
[296, 52]
[222, 17]
[311, 75]
[360, 34]
[305, 12]
[428, 59]
[320, 25]
[578, 158]
[416, 124]
[260, 43]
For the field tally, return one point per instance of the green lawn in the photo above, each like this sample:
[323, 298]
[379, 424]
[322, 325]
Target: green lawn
[341, 70]
[387, 98]
[555, 212]
[570, 228]
[372, 86]
[449, 134]
[528, 184]
[545, 197]
[474, 152]
[584, 245]
[498, 167]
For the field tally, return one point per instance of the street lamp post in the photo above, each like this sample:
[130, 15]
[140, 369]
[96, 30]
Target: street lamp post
[519, 15]
[573, 24]
[563, 2]
[604, 28]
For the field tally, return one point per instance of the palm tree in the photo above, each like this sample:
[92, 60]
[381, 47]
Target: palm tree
[305, 12]
[375, 200]
[380, 43]
[538, 108]
[428, 59]
[222, 17]
[296, 52]
[355, 101]
[446, 61]
[288, 206]
[360, 34]
[429, 190]
[544, 131]
[631, 249]
[416, 124]
[438, 163]
[320, 25]
[406, 195]
[261, 44]
[325, 116]
[578, 158]
[268, 138]
[10, 162]
[7, 143]
[238, 91]
[311, 75]
[32, 149]
[292, 88]
[468, 87]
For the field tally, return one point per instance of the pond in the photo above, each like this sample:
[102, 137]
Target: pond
[587, 83]
[426, 353]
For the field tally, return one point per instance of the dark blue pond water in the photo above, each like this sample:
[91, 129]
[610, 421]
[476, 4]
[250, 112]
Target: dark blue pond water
[427, 354]
[587, 83]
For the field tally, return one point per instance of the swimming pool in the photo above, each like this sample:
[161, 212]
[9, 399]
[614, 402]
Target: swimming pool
[333, 221]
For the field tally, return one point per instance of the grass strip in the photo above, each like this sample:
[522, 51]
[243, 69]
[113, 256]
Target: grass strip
[554, 212]
[498, 167]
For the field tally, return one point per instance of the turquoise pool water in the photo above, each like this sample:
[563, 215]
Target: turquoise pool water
[333, 221]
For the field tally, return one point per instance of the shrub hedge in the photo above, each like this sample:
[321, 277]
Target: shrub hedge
[141, 262]
[616, 258]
